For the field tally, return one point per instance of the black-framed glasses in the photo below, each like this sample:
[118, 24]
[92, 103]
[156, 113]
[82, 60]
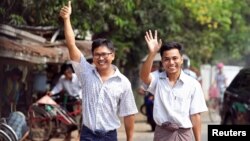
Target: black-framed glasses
[103, 55]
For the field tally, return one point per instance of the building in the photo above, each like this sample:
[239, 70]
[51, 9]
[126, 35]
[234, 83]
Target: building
[38, 53]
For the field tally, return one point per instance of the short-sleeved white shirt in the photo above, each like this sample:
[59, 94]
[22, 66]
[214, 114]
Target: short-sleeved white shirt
[103, 102]
[176, 104]
[72, 87]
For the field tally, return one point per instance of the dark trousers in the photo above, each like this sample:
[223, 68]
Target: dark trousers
[98, 135]
[69, 102]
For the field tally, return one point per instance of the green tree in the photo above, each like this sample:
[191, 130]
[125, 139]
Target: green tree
[210, 30]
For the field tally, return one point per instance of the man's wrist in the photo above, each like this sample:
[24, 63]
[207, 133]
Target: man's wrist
[66, 19]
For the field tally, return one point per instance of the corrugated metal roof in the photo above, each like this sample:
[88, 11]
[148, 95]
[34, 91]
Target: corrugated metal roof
[38, 53]
[12, 45]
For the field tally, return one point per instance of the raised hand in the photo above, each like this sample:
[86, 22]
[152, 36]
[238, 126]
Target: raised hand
[66, 11]
[152, 41]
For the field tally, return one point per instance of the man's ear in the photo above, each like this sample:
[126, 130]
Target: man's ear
[113, 55]
[182, 59]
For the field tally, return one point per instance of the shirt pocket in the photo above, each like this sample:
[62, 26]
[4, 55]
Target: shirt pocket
[181, 104]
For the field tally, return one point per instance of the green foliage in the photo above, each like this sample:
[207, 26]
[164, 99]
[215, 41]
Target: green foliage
[2, 11]
[209, 29]
[16, 20]
[212, 13]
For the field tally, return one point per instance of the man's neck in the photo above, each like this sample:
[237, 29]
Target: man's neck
[105, 74]
[173, 77]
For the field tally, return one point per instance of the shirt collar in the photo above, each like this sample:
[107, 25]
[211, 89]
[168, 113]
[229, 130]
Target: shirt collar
[182, 77]
[116, 74]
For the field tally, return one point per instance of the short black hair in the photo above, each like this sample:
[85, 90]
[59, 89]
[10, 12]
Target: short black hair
[172, 45]
[102, 41]
[65, 67]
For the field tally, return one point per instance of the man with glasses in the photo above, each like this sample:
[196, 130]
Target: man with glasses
[106, 93]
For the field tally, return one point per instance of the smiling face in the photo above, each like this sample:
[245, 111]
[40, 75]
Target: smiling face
[103, 58]
[172, 61]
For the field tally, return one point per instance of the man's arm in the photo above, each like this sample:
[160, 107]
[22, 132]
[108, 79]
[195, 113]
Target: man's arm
[57, 88]
[129, 126]
[153, 46]
[196, 121]
[74, 52]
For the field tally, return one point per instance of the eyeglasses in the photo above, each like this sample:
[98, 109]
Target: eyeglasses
[103, 55]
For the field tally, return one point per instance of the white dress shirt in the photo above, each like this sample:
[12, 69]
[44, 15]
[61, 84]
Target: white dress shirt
[72, 87]
[176, 104]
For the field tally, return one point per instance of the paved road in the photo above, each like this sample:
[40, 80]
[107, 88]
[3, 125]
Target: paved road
[143, 133]
[142, 129]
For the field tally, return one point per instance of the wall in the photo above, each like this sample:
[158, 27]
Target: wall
[208, 73]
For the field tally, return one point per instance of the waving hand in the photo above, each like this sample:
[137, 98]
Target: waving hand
[152, 41]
